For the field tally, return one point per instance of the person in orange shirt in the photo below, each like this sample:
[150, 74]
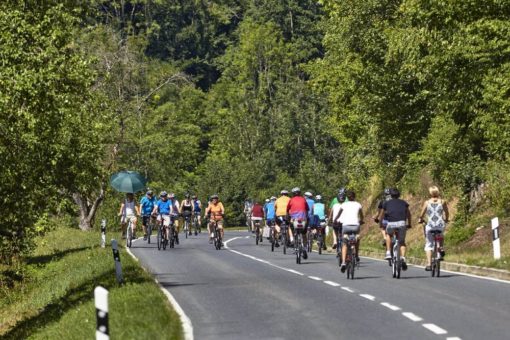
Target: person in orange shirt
[280, 207]
[215, 212]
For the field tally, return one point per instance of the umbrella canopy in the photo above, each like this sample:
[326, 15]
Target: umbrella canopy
[128, 181]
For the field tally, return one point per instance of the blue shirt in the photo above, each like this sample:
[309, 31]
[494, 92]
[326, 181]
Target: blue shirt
[196, 205]
[310, 203]
[164, 207]
[319, 210]
[147, 205]
[269, 210]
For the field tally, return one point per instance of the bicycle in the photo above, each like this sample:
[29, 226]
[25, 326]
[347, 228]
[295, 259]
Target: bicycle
[351, 261]
[395, 262]
[173, 233]
[129, 233]
[320, 236]
[195, 224]
[161, 238]
[150, 226]
[436, 253]
[309, 240]
[217, 235]
[258, 234]
[339, 241]
[187, 228]
[272, 235]
[284, 235]
[299, 246]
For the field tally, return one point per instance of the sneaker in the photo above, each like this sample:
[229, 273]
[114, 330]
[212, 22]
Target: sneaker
[305, 254]
[276, 244]
[145, 237]
[404, 264]
[388, 256]
[177, 240]
[343, 267]
[324, 247]
[428, 268]
[334, 245]
[442, 253]
[383, 243]
[357, 259]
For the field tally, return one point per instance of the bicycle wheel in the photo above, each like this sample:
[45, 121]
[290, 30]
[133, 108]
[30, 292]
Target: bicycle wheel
[284, 240]
[438, 268]
[159, 238]
[257, 234]
[149, 232]
[165, 240]
[129, 235]
[172, 237]
[319, 244]
[186, 228]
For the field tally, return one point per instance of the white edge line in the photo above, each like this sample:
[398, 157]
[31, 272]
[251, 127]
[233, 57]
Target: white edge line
[434, 329]
[315, 278]
[331, 283]
[447, 271]
[187, 326]
[348, 289]
[412, 316]
[453, 338]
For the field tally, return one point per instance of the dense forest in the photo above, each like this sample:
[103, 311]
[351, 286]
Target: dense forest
[246, 97]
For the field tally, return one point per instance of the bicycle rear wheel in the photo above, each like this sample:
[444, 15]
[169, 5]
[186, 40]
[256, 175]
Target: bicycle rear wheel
[129, 235]
[159, 238]
[257, 235]
[186, 228]
[172, 238]
[149, 232]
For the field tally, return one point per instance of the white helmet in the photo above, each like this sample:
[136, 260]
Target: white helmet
[267, 200]
[273, 198]
[296, 190]
[318, 197]
[308, 194]
[284, 192]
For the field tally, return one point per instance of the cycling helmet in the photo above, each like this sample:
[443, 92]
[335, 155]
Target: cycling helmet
[267, 200]
[296, 190]
[394, 193]
[215, 196]
[318, 197]
[163, 194]
[149, 192]
[171, 195]
[187, 195]
[308, 194]
[273, 198]
[342, 191]
[387, 191]
[284, 192]
[194, 197]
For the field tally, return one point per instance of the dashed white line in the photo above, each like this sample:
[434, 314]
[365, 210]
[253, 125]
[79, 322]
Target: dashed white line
[453, 338]
[390, 306]
[368, 297]
[434, 329]
[315, 278]
[412, 316]
[331, 283]
[294, 271]
[348, 289]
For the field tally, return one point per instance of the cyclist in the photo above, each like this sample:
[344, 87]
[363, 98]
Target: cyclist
[386, 197]
[162, 210]
[437, 213]
[270, 214]
[337, 227]
[146, 206]
[247, 211]
[186, 209]
[174, 214]
[128, 212]
[319, 216]
[399, 219]
[310, 202]
[298, 209]
[265, 205]
[280, 207]
[215, 212]
[257, 215]
[350, 216]
[197, 209]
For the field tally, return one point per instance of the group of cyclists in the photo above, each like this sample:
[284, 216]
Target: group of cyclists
[345, 216]
[299, 212]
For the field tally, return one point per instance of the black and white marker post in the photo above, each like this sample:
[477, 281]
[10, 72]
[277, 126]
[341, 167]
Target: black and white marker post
[116, 258]
[101, 302]
[103, 233]
[495, 238]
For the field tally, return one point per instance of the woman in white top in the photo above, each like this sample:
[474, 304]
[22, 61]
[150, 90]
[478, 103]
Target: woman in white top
[350, 215]
[437, 213]
[129, 209]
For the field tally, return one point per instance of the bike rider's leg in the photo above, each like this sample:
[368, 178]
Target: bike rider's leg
[145, 220]
[305, 241]
[388, 245]
[222, 233]
[344, 255]
[402, 239]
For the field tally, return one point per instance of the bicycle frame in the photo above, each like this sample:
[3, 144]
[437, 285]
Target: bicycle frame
[395, 261]
[436, 262]
[351, 240]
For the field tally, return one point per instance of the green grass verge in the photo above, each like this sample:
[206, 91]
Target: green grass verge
[56, 301]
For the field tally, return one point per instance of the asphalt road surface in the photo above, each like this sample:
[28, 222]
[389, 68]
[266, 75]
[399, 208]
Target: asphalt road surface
[245, 291]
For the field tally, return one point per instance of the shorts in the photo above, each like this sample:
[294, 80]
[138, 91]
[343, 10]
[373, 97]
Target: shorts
[220, 224]
[429, 238]
[186, 215]
[128, 218]
[146, 219]
[166, 219]
[399, 227]
[257, 219]
[351, 228]
[383, 224]
[295, 224]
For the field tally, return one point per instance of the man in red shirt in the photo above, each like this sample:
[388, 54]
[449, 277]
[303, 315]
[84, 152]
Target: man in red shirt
[297, 209]
[257, 215]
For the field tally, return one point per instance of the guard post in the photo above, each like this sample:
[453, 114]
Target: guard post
[116, 258]
[101, 302]
[103, 233]
[495, 238]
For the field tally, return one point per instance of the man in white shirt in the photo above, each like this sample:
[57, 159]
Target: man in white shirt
[350, 215]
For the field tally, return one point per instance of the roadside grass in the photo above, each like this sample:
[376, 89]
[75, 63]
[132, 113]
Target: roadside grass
[56, 300]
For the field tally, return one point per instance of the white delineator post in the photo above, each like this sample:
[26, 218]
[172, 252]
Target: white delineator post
[116, 259]
[495, 238]
[101, 302]
[103, 233]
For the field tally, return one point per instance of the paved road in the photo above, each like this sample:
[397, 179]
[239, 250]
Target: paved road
[247, 292]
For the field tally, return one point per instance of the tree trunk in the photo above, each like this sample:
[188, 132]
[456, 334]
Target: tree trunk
[87, 210]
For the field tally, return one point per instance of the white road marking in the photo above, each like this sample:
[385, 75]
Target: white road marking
[294, 271]
[348, 289]
[434, 329]
[331, 283]
[412, 316]
[390, 306]
[453, 338]
[368, 297]
[315, 278]
[247, 237]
